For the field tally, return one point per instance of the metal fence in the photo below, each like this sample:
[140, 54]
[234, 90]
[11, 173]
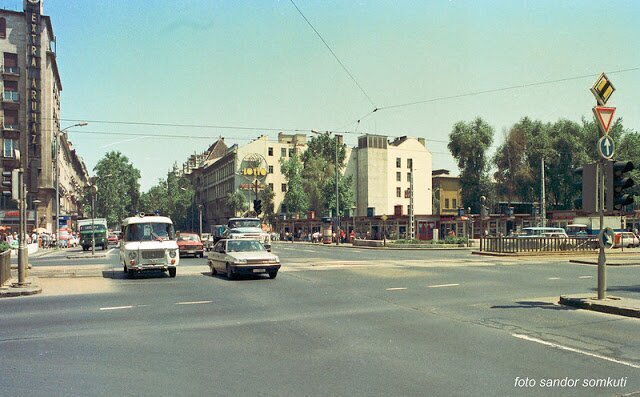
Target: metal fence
[5, 266]
[537, 244]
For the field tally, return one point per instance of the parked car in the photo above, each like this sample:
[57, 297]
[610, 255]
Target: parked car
[190, 244]
[626, 239]
[242, 256]
[112, 239]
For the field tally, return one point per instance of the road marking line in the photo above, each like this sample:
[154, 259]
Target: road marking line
[554, 278]
[585, 277]
[571, 349]
[396, 289]
[116, 308]
[443, 285]
[309, 251]
[193, 303]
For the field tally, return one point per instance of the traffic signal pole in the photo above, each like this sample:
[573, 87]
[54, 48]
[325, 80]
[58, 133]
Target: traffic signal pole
[602, 259]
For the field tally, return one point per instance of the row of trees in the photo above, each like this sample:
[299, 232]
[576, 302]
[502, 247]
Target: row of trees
[513, 174]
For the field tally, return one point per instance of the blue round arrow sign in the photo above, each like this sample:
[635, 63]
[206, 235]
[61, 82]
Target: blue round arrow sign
[606, 147]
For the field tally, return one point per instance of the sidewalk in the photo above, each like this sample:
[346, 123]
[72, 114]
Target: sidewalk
[612, 305]
[391, 246]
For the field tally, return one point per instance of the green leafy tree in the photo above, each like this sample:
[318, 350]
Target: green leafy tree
[268, 208]
[468, 144]
[118, 188]
[295, 199]
[237, 201]
[172, 197]
[345, 194]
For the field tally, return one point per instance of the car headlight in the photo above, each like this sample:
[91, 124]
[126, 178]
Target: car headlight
[133, 255]
[241, 261]
[172, 253]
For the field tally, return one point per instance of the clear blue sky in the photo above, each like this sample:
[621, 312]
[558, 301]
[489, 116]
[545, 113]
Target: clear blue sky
[258, 64]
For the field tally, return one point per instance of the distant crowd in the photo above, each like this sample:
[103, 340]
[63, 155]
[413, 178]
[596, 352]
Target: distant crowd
[44, 239]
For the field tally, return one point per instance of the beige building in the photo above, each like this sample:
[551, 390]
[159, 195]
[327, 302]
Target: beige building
[382, 171]
[447, 191]
[31, 117]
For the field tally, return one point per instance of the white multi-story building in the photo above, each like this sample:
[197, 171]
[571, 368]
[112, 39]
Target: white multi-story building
[382, 172]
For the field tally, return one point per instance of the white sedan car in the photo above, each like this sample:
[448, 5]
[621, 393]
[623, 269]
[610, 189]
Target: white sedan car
[235, 257]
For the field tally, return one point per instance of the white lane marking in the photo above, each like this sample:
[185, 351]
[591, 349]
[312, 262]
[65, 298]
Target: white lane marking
[193, 303]
[443, 285]
[571, 349]
[116, 308]
[554, 278]
[309, 251]
[585, 277]
[396, 289]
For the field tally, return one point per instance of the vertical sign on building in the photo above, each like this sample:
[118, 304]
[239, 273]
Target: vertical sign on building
[33, 10]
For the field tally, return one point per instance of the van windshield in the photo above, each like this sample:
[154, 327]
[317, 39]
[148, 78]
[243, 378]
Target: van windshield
[235, 223]
[150, 232]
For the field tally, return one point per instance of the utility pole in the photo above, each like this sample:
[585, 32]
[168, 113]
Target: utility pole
[337, 197]
[543, 205]
[23, 253]
[602, 259]
[412, 230]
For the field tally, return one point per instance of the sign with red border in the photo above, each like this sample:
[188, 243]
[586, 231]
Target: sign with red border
[604, 116]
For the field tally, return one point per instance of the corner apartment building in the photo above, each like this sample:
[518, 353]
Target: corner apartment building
[220, 173]
[382, 170]
[30, 116]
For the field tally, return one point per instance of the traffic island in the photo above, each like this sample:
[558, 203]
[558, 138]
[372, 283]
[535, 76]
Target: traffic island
[612, 304]
[13, 289]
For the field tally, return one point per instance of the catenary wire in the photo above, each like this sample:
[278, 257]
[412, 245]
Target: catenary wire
[334, 54]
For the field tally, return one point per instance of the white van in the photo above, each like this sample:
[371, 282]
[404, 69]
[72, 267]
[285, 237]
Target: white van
[148, 243]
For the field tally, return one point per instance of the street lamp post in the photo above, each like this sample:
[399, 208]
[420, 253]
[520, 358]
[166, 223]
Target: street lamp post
[57, 182]
[200, 218]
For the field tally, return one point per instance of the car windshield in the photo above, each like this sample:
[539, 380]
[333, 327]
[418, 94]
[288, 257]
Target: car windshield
[235, 223]
[188, 237]
[244, 246]
[150, 232]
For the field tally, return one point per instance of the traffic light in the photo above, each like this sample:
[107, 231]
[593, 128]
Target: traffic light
[257, 206]
[10, 179]
[618, 184]
[588, 198]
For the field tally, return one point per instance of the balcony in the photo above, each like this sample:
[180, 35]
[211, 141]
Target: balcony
[8, 127]
[11, 96]
[11, 70]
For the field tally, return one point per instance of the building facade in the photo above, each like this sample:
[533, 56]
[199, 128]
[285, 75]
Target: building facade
[31, 89]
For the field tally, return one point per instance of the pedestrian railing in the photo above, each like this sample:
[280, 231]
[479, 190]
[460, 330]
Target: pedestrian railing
[5, 266]
[537, 244]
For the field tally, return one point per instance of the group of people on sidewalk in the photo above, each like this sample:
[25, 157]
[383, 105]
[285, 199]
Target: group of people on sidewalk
[44, 240]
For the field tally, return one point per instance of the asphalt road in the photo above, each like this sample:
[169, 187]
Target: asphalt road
[335, 322]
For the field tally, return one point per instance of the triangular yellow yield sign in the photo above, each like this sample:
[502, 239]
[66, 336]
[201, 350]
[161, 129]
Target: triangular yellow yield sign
[604, 116]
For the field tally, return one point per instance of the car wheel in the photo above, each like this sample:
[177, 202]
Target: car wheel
[273, 275]
[230, 275]
[172, 272]
[213, 269]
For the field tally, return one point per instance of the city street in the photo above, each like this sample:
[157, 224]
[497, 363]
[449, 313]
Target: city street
[336, 321]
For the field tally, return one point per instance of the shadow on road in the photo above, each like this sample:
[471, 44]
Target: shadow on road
[624, 288]
[120, 275]
[238, 277]
[534, 305]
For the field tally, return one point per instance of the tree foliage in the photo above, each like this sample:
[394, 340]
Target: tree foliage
[268, 207]
[295, 199]
[172, 197]
[468, 144]
[237, 201]
[118, 188]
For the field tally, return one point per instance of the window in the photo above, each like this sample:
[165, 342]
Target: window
[397, 210]
[283, 187]
[398, 162]
[3, 28]
[8, 147]
[446, 203]
[11, 91]
[11, 119]
[271, 187]
[409, 163]
[408, 177]
[398, 176]
[271, 169]
[270, 151]
[455, 203]
[398, 192]
[283, 152]
[11, 63]
[291, 151]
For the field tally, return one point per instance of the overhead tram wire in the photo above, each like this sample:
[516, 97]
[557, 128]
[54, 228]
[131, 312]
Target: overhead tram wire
[334, 54]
